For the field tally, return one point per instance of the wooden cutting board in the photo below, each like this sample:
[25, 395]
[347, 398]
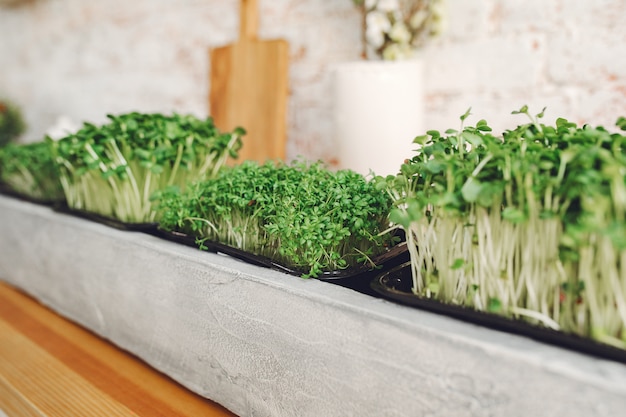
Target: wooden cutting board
[249, 88]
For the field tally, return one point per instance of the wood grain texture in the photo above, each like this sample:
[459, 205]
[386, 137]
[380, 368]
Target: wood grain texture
[249, 88]
[248, 19]
[52, 367]
[35, 381]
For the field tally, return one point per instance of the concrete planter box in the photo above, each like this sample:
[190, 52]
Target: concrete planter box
[263, 343]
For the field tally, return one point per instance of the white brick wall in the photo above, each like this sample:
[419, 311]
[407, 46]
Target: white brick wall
[86, 59]
[568, 55]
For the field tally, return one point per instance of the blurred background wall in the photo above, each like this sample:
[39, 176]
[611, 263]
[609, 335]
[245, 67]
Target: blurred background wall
[84, 59]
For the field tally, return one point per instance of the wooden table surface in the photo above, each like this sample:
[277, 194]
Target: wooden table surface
[50, 366]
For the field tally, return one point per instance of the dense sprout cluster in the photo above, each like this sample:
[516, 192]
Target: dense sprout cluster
[529, 224]
[302, 215]
[12, 123]
[28, 170]
[114, 169]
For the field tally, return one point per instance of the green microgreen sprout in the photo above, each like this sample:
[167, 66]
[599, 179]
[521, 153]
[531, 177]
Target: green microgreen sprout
[29, 170]
[529, 224]
[12, 123]
[301, 215]
[114, 170]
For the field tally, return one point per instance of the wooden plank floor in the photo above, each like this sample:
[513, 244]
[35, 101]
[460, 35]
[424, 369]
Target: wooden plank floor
[52, 367]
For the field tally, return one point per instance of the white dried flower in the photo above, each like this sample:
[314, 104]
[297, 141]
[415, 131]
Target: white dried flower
[438, 7]
[393, 27]
[370, 4]
[418, 19]
[377, 22]
[400, 33]
[374, 37]
[387, 6]
[438, 20]
[397, 51]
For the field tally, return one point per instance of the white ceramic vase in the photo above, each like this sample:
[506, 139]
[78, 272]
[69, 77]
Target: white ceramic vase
[378, 107]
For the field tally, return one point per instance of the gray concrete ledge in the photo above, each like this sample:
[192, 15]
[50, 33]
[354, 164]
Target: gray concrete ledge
[263, 343]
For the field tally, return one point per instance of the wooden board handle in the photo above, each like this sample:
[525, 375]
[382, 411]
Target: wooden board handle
[249, 19]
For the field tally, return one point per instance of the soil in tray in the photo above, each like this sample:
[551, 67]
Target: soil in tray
[395, 285]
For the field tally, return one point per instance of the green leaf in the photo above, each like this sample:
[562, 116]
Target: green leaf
[522, 110]
[458, 263]
[483, 126]
[564, 123]
[541, 114]
[433, 286]
[471, 190]
[400, 217]
[472, 138]
[421, 140]
[434, 134]
[490, 191]
[513, 215]
[466, 114]
[494, 305]
[434, 166]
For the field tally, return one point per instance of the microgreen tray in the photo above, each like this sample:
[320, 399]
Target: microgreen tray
[395, 285]
[9, 192]
[392, 257]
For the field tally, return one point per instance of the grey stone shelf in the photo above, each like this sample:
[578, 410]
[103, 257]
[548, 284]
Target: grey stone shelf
[264, 343]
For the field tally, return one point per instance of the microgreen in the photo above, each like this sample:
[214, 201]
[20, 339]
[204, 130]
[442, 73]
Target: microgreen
[28, 170]
[301, 215]
[114, 169]
[529, 224]
[12, 123]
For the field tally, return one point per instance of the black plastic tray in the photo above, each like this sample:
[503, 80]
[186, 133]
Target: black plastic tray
[392, 257]
[395, 285]
[150, 228]
[9, 192]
